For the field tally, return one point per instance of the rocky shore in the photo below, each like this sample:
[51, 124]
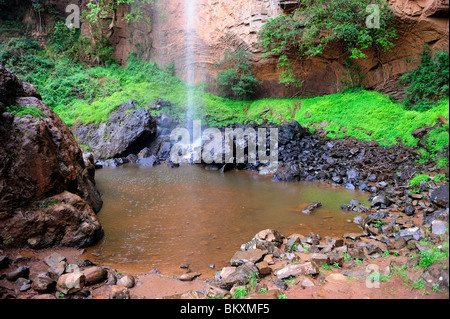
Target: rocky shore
[269, 266]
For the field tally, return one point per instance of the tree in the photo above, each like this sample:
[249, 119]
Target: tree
[237, 80]
[96, 14]
[317, 23]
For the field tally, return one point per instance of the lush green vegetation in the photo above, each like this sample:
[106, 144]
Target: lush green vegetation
[26, 110]
[429, 82]
[360, 24]
[79, 93]
[236, 80]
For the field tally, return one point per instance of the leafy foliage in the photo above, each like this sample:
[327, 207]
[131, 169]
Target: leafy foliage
[237, 81]
[429, 82]
[20, 111]
[317, 23]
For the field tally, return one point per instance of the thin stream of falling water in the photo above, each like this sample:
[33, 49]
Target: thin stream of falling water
[190, 61]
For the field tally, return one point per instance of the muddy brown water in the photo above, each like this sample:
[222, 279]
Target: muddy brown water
[162, 218]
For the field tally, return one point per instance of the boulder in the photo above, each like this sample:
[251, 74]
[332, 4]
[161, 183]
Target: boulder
[39, 159]
[241, 276]
[320, 259]
[94, 275]
[61, 220]
[268, 239]
[20, 272]
[439, 227]
[189, 276]
[380, 200]
[43, 283]
[436, 275]
[440, 196]
[54, 259]
[126, 281]
[295, 270]
[127, 131]
[251, 255]
[71, 283]
[308, 210]
[42, 161]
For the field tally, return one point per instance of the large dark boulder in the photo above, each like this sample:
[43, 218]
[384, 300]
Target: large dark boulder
[128, 130]
[40, 159]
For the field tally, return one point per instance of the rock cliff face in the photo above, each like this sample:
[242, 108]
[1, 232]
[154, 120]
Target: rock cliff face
[235, 24]
[39, 160]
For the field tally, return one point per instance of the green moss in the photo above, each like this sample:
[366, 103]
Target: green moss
[20, 111]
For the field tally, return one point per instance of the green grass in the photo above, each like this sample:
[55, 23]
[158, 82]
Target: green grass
[79, 93]
[20, 111]
[368, 115]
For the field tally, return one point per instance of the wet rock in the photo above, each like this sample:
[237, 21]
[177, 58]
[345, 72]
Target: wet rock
[70, 283]
[148, 161]
[62, 220]
[349, 186]
[308, 210]
[440, 196]
[295, 270]
[55, 259]
[20, 272]
[94, 275]
[119, 292]
[189, 276]
[251, 255]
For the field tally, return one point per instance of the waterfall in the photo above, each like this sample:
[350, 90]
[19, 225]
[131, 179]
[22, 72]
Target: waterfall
[190, 14]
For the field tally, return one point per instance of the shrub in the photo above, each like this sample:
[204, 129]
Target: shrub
[429, 82]
[237, 81]
[319, 22]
